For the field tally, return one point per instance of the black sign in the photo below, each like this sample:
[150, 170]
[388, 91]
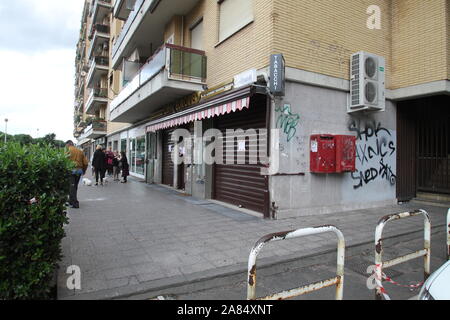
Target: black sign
[277, 75]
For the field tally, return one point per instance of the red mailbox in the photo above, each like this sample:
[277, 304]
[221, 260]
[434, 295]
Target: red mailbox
[345, 153]
[323, 154]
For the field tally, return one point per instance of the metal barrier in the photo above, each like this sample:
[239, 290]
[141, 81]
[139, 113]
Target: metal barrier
[379, 264]
[338, 280]
[448, 234]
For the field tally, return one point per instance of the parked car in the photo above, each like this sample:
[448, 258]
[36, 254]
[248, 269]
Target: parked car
[437, 286]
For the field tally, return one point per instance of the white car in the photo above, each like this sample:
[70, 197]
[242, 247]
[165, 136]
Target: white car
[437, 286]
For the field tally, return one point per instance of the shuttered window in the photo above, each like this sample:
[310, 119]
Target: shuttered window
[197, 36]
[234, 15]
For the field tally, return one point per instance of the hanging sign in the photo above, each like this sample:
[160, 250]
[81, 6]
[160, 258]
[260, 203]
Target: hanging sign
[277, 75]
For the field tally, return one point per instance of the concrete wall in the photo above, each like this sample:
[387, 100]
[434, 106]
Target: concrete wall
[314, 110]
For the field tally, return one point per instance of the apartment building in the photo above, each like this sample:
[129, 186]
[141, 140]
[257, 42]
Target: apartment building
[94, 77]
[199, 65]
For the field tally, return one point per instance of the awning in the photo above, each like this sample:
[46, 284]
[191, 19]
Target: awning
[235, 100]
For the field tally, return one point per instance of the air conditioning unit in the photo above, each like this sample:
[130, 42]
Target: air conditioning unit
[367, 83]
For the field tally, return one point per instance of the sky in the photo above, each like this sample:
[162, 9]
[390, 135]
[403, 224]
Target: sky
[37, 61]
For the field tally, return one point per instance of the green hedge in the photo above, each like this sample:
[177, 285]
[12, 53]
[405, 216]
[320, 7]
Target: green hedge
[31, 233]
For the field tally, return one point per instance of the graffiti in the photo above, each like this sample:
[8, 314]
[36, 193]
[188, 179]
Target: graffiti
[369, 130]
[287, 121]
[375, 154]
[320, 51]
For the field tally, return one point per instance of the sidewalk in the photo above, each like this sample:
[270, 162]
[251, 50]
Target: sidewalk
[132, 238]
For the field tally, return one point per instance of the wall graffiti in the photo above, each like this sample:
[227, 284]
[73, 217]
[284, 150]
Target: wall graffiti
[287, 121]
[375, 154]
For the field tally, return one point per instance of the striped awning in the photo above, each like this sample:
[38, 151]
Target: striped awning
[207, 113]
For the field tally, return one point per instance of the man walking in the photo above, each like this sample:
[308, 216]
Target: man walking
[81, 164]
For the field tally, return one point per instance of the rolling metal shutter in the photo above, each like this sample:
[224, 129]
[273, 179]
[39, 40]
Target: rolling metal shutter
[242, 184]
[167, 163]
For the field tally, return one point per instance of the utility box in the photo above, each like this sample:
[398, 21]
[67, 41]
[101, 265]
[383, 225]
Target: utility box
[323, 154]
[345, 153]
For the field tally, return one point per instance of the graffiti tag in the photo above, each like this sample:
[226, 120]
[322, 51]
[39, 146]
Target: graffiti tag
[375, 152]
[287, 121]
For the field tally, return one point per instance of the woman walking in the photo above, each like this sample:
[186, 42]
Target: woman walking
[98, 163]
[116, 169]
[125, 166]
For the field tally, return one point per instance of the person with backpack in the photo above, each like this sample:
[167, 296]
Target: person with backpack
[81, 165]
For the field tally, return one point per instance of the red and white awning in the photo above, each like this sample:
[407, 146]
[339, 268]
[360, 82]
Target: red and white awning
[211, 112]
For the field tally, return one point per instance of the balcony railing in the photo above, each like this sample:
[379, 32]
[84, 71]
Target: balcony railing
[187, 63]
[102, 28]
[181, 63]
[96, 125]
[127, 25]
[100, 92]
[101, 60]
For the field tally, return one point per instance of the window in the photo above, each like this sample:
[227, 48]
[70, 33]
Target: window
[197, 36]
[137, 155]
[234, 15]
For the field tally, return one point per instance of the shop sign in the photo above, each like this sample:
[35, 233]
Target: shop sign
[245, 78]
[277, 75]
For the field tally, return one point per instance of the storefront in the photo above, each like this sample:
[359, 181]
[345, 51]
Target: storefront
[136, 151]
[239, 181]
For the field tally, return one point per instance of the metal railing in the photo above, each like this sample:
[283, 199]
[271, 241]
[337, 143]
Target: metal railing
[380, 264]
[338, 280]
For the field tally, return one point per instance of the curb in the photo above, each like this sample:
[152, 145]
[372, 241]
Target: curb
[147, 289]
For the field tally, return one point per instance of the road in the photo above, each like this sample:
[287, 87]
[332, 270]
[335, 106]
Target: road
[286, 275]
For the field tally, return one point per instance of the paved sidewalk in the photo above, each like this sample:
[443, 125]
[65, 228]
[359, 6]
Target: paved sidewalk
[132, 238]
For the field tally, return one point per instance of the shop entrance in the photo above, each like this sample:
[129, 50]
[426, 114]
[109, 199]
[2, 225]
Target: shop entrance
[423, 147]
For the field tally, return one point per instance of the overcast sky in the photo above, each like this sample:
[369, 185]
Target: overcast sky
[37, 54]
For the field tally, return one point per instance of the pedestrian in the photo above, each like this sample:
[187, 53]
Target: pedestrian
[99, 164]
[109, 161]
[116, 169]
[125, 166]
[81, 165]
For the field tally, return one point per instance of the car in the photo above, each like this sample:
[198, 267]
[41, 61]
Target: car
[437, 286]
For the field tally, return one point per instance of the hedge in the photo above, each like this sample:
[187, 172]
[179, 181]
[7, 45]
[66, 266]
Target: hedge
[34, 185]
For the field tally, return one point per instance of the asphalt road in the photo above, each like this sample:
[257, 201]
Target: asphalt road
[297, 273]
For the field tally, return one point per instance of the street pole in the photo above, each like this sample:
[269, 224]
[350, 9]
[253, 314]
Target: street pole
[6, 128]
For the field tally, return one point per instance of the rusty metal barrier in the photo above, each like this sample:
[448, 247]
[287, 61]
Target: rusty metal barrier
[448, 234]
[379, 264]
[338, 280]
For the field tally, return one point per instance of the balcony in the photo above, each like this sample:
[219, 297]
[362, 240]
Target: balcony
[172, 73]
[96, 129]
[98, 68]
[79, 105]
[99, 38]
[97, 98]
[99, 9]
[145, 24]
[123, 8]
